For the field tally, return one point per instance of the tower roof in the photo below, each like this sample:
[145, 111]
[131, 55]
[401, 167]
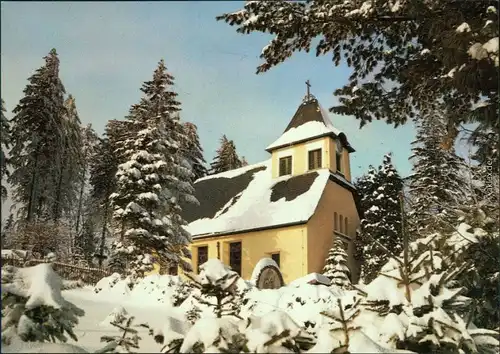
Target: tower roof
[310, 121]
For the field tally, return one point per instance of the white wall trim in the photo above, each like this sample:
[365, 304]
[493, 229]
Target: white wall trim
[315, 145]
[285, 153]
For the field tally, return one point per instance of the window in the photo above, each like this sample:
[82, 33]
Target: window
[339, 162]
[314, 159]
[276, 258]
[235, 257]
[335, 221]
[346, 229]
[341, 224]
[338, 156]
[285, 166]
[202, 256]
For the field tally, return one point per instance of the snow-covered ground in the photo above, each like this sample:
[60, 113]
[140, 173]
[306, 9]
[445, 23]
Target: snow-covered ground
[320, 317]
[97, 309]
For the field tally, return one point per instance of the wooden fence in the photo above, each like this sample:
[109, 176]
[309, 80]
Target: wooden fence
[87, 275]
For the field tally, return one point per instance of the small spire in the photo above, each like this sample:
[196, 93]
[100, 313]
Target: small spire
[308, 96]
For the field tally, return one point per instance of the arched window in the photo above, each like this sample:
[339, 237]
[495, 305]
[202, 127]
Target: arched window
[346, 228]
[335, 221]
[341, 224]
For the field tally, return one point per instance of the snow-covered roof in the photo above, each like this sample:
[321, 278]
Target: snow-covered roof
[249, 198]
[310, 121]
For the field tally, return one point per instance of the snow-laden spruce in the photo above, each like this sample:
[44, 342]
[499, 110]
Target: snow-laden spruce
[226, 158]
[381, 223]
[435, 181]
[194, 151]
[37, 134]
[4, 145]
[336, 268]
[376, 39]
[103, 167]
[33, 309]
[152, 181]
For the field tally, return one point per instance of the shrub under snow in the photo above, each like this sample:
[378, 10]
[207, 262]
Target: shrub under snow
[33, 308]
[412, 306]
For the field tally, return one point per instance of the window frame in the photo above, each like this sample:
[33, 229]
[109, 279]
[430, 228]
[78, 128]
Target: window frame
[279, 258]
[311, 160]
[335, 221]
[198, 263]
[236, 267]
[341, 224]
[290, 166]
[338, 162]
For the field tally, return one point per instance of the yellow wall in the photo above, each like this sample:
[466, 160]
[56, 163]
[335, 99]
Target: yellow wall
[320, 234]
[300, 157]
[290, 242]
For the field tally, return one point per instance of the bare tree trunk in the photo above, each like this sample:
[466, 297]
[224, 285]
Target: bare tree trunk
[103, 233]
[56, 210]
[80, 201]
[34, 180]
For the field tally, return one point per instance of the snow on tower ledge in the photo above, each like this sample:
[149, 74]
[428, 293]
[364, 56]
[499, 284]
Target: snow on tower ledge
[310, 121]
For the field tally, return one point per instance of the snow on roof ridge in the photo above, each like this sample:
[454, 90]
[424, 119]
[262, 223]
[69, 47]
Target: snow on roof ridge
[308, 130]
[328, 121]
[236, 171]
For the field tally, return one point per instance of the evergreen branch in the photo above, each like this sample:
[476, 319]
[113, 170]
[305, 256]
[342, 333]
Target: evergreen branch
[277, 338]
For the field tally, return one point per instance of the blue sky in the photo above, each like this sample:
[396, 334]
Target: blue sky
[107, 49]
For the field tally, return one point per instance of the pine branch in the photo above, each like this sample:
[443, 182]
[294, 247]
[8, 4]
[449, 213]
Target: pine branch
[277, 338]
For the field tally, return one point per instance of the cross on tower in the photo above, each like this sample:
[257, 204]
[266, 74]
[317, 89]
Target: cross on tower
[308, 84]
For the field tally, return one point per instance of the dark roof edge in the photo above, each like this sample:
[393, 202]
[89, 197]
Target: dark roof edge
[225, 233]
[349, 187]
[333, 177]
[348, 147]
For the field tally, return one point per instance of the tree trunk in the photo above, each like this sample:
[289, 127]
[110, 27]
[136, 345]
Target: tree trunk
[103, 234]
[56, 210]
[80, 201]
[34, 180]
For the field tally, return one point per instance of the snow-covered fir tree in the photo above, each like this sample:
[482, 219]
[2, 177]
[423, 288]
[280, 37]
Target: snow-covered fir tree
[416, 294]
[37, 135]
[336, 266]
[126, 342]
[7, 229]
[5, 144]
[154, 179]
[226, 159]
[217, 288]
[381, 221]
[244, 161]
[435, 181]
[441, 57]
[33, 309]
[194, 151]
[71, 162]
[86, 240]
[103, 168]
[90, 141]
[366, 188]
[488, 146]
[476, 241]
